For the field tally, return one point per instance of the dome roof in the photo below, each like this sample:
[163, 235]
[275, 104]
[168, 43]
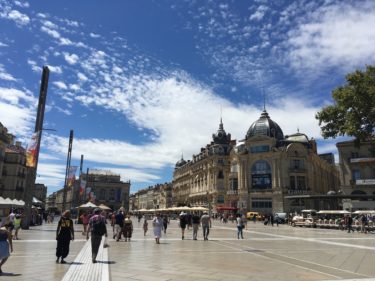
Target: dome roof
[180, 163]
[298, 137]
[265, 126]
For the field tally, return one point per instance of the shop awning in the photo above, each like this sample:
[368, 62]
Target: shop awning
[226, 208]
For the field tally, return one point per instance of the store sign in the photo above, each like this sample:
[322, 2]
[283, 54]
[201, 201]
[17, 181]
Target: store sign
[365, 182]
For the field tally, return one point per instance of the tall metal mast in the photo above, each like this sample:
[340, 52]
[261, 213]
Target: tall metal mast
[30, 182]
[68, 159]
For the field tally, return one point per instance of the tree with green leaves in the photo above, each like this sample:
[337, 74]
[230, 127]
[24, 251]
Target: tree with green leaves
[353, 111]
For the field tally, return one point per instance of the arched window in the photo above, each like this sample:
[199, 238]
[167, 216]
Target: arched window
[261, 175]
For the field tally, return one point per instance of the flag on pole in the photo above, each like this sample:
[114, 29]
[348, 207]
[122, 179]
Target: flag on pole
[32, 150]
[82, 187]
[87, 192]
[71, 175]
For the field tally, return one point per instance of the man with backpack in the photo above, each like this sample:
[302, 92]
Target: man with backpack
[98, 228]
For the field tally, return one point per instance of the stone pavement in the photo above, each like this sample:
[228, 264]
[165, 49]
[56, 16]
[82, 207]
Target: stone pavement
[266, 253]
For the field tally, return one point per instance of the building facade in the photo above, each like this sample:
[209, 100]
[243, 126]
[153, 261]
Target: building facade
[14, 172]
[40, 192]
[357, 174]
[203, 181]
[255, 174]
[104, 187]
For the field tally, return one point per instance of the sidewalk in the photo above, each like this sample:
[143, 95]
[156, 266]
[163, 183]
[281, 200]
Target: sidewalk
[281, 253]
[34, 257]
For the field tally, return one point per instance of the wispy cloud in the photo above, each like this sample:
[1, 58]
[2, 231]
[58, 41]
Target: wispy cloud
[17, 110]
[4, 75]
[337, 35]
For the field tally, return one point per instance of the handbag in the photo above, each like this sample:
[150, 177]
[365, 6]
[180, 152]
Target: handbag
[105, 244]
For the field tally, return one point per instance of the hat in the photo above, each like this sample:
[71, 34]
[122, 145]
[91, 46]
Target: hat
[97, 210]
[182, 213]
[205, 212]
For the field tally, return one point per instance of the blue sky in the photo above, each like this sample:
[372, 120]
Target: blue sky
[141, 82]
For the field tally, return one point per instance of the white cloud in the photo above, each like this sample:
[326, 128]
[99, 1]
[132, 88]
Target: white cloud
[3, 44]
[74, 87]
[181, 115]
[19, 18]
[55, 69]
[60, 85]
[71, 58]
[93, 35]
[338, 35]
[82, 77]
[34, 66]
[50, 25]
[4, 75]
[259, 13]
[22, 4]
[51, 175]
[63, 110]
[17, 111]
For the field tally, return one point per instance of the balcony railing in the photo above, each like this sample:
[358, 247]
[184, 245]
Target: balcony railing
[298, 191]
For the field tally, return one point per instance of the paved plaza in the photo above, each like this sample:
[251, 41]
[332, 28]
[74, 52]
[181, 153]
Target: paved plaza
[265, 253]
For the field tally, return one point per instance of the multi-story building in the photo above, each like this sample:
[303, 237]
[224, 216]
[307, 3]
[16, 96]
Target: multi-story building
[267, 166]
[357, 174]
[203, 180]
[256, 174]
[14, 172]
[40, 192]
[155, 197]
[105, 188]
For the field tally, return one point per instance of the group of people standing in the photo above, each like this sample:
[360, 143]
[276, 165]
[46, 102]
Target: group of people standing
[196, 220]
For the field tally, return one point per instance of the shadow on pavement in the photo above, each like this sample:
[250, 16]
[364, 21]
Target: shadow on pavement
[10, 274]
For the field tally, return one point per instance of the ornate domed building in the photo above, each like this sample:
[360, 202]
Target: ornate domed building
[267, 167]
[255, 174]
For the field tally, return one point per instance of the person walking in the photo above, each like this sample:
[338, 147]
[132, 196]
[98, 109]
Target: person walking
[165, 223]
[364, 223]
[85, 221]
[349, 222]
[11, 218]
[64, 234]
[17, 226]
[97, 228]
[127, 229]
[196, 221]
[183, 223]
[157, 224]
[119, 224]
[145, 226]
[5, 244]
[206, 225]
[240, 226]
